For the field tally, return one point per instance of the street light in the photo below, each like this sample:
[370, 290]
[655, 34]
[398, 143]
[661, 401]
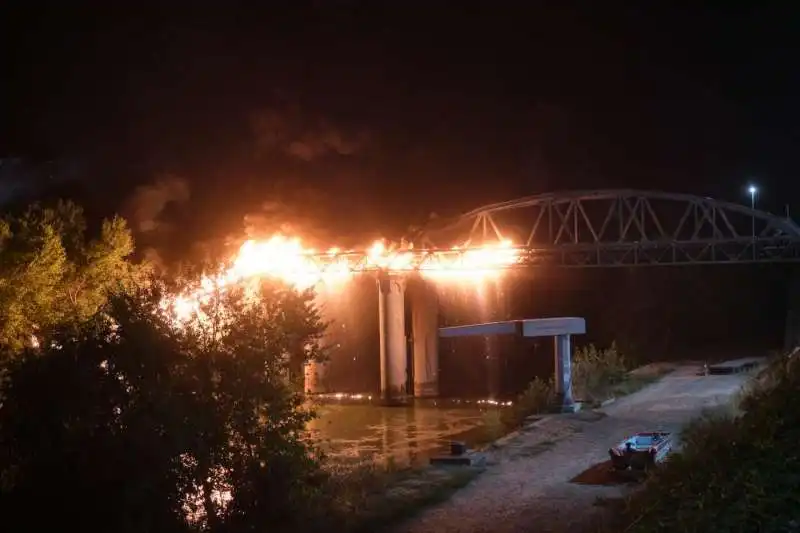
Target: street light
[752, 190]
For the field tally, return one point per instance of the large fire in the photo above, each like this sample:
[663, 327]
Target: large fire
[287, 259]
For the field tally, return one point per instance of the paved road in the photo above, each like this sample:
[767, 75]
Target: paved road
[532, 492]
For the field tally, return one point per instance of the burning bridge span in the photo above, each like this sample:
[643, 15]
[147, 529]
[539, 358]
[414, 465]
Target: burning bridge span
[610, 228]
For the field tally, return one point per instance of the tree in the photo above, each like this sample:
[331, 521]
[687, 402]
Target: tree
[144, 426]
[50, 275]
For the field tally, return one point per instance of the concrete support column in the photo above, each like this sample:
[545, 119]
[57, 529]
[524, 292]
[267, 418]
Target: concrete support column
[315, 377]
[563, 365]
[425, 333]
[392, 324]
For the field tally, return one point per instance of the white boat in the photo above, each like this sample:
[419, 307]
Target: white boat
[641, 451]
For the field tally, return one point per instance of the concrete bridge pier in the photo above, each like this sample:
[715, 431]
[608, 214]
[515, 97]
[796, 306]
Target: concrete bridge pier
[561, 329]
[315, 377]
[563, 377]
[392, 330]
[425, 336]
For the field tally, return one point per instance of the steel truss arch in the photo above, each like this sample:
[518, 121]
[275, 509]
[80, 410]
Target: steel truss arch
[624, 228]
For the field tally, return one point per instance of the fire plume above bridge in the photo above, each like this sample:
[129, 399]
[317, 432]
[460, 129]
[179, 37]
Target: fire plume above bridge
[608, 228]
[572, 229]
[286, 259]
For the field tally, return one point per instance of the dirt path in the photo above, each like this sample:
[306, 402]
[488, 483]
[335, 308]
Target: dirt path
[528, 485]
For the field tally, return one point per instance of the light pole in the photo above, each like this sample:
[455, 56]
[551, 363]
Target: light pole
[753, 190]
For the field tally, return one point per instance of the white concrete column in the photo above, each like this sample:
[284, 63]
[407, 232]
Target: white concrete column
[563, 366]
[392, 324]
[425, 332]
[315, 377]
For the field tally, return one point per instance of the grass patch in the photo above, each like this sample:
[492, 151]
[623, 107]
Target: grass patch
[370, 497]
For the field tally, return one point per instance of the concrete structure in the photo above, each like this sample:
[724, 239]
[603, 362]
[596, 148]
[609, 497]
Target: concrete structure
[648, 230]
[425, 338]
[392, 324]
[315, 377]
[561, 329]
[425, 335]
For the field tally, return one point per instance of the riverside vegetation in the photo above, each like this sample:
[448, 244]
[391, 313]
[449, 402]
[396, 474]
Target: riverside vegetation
[114, 419]
[375, 495]
[598, 374]
[739, 470]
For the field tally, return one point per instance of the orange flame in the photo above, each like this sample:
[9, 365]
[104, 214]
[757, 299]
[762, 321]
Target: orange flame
[286, 258]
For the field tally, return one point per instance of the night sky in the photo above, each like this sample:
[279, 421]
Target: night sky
[352, 119]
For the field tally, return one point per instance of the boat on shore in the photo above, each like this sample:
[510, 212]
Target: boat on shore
[641, 451]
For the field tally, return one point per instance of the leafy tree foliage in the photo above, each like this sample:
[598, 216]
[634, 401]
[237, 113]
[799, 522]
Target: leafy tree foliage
[136, 425]
[51, 275]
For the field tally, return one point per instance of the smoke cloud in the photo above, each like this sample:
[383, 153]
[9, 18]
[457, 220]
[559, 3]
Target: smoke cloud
[145, 209]
[300, 137]
[299, 213]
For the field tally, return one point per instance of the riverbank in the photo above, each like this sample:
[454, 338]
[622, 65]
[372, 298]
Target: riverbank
[372, 496]
[535, 403]
[737, 470]
[540, 475]
[377, 496]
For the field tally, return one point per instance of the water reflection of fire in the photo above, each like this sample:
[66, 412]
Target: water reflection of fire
[444, 403]
[286, 258]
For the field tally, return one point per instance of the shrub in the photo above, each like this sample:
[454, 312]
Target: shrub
[537, 398]
[368, 496]
[355, 490]
[596, 371]
[739, 471]
[495, 425]
[139, 426]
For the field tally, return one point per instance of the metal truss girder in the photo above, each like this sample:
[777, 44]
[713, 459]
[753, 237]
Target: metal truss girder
[743, 250]
[627, 227]
[652, 254]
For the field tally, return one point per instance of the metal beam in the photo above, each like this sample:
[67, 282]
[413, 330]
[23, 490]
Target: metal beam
[627, 228]
[537, 327]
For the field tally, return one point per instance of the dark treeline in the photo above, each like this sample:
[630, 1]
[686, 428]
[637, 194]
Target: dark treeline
[117, 416]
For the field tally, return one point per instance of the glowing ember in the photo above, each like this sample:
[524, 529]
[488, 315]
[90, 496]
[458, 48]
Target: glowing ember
[470, 263]
[287, 259]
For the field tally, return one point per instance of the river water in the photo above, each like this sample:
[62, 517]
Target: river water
[356, 428]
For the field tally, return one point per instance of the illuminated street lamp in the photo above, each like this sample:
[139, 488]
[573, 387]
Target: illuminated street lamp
[753, 190]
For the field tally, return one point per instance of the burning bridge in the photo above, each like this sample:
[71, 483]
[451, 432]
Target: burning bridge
[610, 228]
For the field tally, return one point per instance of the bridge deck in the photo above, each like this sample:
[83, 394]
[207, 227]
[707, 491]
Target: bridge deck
[536, 327]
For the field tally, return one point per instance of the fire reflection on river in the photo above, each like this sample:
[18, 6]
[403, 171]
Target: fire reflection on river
[360, 429]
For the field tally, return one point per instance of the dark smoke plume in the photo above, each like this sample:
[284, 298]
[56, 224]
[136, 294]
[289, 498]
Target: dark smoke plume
[145, 208]
[299, 136]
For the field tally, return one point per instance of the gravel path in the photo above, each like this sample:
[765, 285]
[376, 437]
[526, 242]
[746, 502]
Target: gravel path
[525, 489]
